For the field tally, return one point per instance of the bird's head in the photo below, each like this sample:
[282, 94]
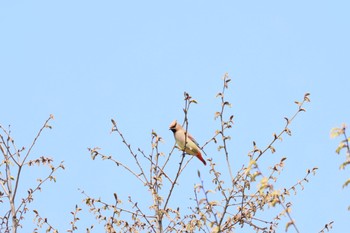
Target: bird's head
[173, 126]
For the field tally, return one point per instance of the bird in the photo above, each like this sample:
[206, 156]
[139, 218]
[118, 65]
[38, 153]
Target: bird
[192, 147]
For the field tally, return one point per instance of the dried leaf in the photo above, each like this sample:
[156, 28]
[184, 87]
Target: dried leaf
[217, 114]
[286, 120]
[288, 131]
[306, 97]
[335, 132]
[288, 225]
[275, 136]
[219, 94]
[343, 165]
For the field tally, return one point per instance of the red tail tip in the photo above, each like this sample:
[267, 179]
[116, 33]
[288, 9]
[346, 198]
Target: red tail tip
[199, 155]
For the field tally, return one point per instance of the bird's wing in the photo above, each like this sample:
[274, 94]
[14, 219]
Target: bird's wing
[193, 140]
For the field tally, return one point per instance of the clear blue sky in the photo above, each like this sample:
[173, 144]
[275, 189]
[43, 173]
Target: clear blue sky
[88, 61]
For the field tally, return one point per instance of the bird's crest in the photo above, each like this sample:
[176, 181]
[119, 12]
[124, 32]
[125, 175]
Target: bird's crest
[173, 125]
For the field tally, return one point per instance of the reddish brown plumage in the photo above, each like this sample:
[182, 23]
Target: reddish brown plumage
[199, 156]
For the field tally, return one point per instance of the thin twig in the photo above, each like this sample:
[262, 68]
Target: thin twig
[94, 152]
[288, 214]
[224, 138]
[28, 153]
[115, 128]
[187, 105]
[143, 215]
[288, 122]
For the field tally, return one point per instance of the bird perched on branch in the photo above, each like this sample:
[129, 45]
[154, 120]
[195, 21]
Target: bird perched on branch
[192, 147]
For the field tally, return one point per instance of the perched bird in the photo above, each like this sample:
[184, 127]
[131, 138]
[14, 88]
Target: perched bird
[192, 147]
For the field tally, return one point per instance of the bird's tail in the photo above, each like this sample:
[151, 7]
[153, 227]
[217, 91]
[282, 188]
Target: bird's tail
[199, 156]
